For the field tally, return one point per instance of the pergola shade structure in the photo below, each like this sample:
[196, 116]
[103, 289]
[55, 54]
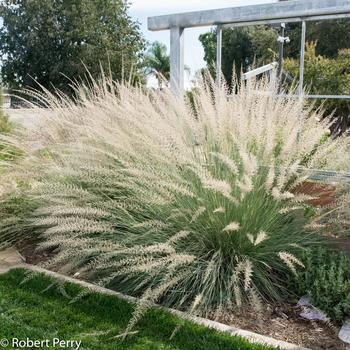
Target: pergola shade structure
[272, 13]
[286, 11]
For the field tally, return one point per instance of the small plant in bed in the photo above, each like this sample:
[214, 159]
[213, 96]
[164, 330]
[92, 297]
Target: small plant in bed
[188, 203]
[326, 281]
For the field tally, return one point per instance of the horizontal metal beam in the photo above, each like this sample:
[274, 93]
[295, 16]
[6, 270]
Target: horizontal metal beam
[253, 73]
[326, 176]
[334, 97]
[286, 20]
[265, 12]
[330, 176]
[320, 97]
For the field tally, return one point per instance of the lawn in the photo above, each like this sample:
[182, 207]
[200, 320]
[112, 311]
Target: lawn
[30, 310]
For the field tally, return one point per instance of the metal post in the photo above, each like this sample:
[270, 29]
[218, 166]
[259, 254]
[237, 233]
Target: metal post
[302, 63]
[281, 50]
[218, 54]
[177, 59]
[302, 57]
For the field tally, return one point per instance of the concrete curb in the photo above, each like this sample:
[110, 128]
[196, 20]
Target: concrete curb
[250, 336]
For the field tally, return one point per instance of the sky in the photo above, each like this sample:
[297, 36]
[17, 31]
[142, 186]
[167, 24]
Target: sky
[141, 9]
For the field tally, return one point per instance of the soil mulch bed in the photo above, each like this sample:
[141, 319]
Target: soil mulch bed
[27, 248]
[282, 323]
[324, 194]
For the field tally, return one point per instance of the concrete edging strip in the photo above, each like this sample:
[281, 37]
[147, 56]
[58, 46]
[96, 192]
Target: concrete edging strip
[250, 336]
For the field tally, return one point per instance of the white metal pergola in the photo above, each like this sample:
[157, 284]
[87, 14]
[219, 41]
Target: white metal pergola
[272, 13]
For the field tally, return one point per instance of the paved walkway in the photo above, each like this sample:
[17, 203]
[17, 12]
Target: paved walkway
[22, 116]
[9, 258]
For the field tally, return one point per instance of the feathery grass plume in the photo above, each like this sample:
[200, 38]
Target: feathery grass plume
[219, 210]
[233, 226]
[290, 260]
[140, 193]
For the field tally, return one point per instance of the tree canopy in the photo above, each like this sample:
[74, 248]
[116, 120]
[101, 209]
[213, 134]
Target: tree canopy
[157, 62]
[330, 37]
[326, 63]
[241, 48]
[323, 76]
[244, 46]
[53, 41]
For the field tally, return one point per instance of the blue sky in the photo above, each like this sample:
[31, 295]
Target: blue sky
[141, 9]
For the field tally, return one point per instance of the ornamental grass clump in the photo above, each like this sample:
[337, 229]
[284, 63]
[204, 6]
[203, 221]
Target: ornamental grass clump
[190, 204]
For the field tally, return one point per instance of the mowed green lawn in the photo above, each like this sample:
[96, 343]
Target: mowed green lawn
[30, 310]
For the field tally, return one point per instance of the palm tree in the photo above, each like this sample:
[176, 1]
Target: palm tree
[157, 63]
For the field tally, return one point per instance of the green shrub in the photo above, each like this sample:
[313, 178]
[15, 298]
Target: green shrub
[14, 206]
[196, 211]
[6, 151]
[326, 76]
[5, 125]
[15, 209]
[326, 280]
